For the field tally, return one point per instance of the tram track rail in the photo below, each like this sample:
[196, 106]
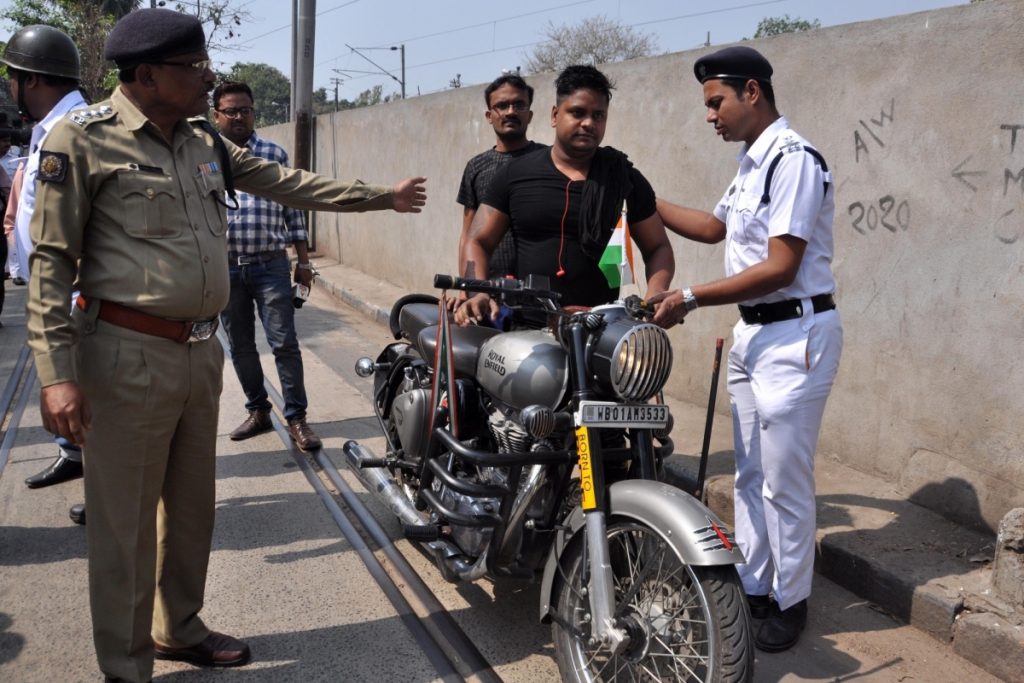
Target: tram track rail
[448, 648]
[13, 403]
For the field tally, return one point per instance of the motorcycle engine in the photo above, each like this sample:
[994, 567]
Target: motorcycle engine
[509, 436]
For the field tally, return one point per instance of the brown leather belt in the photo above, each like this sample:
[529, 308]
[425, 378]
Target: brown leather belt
[183, 332]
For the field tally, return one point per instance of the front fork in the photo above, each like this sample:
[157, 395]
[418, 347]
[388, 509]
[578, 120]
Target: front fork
[599, 585]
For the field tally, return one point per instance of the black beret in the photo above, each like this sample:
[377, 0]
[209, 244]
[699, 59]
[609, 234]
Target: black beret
[733, 62]
[153, 34]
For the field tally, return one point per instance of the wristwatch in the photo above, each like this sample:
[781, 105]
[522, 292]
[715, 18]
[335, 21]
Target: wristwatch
[304, 266]
[689, 300]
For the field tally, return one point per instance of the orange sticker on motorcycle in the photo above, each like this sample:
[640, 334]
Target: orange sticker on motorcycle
[586, 468]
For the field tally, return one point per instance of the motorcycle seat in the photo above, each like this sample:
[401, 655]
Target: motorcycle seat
[466, 343]
[413, 317]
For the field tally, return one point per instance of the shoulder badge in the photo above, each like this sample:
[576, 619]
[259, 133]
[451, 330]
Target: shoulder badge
[53, 166]
[85, 116]
[790, 144]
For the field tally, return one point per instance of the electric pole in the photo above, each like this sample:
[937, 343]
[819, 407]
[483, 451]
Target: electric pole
[302, 87]
[336, 81]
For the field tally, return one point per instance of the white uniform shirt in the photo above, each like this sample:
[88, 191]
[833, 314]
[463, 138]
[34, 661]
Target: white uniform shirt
[27, 199]
[799, 206]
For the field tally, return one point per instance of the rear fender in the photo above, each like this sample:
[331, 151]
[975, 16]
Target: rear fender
[696, 533]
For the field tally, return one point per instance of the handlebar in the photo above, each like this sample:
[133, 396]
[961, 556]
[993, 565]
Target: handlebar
[498, 287]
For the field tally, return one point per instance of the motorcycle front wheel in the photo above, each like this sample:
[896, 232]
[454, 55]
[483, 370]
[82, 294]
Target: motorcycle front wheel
[684, 623]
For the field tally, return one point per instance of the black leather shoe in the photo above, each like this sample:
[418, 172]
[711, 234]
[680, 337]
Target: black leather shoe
[258, 422]
[782, 629]
[760, 606]
[77, 513]
[217, 650]
[303, 435]
[62, 469]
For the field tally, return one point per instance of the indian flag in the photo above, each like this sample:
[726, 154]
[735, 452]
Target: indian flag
[617, 260]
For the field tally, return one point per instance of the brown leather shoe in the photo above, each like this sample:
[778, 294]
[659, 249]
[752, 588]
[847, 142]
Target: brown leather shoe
[303, 436]
[258, 422]
[217, 649]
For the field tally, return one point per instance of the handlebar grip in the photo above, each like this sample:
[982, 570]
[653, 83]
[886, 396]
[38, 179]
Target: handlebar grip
[444, 281]
[465, 284]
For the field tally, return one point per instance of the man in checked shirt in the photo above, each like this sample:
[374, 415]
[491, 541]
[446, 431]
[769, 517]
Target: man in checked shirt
[259, 232]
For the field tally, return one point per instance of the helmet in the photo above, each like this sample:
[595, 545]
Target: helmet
[43, 49]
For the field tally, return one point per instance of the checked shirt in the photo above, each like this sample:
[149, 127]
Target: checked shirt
[258, 224]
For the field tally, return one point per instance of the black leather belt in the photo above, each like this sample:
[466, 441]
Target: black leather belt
[249, 259]
[790, 309]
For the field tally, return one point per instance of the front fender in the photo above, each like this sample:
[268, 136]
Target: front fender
[693, 531]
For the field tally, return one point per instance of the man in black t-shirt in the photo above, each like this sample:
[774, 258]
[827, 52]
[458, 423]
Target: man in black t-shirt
[508, 99]
[561, 205]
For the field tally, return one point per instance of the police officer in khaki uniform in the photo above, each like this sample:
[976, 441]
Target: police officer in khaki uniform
[130, 210]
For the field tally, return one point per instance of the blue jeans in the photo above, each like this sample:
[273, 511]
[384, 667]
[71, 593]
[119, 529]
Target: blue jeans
[268, 285]
[71, 450]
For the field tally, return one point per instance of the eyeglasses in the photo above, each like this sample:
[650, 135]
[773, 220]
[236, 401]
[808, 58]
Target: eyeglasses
[235, 112]
[514, 105]
[201, 65]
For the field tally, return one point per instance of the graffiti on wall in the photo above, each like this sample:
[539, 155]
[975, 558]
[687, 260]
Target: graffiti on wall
[1007, 230]
[873, 130]
[887, 212]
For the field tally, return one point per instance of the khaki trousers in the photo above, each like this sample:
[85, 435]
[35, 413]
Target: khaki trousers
[149, 489]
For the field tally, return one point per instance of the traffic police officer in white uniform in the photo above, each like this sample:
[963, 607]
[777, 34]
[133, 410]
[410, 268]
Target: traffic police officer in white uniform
[776, 219]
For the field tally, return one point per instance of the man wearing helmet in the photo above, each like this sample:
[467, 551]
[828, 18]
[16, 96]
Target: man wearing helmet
[43, 66]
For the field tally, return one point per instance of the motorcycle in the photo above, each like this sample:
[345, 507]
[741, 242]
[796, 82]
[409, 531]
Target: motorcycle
[537, 454]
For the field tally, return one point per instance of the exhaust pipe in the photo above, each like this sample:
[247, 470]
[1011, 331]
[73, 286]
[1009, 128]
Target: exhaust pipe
[450, 560]
[377, 481]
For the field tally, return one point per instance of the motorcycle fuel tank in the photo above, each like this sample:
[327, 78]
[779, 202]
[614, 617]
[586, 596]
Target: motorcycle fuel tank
[523, 368]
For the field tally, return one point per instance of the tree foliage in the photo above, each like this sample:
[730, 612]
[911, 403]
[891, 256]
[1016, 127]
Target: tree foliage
[773, 26]
[222, 19]
[595, 40]
[88, 22]
[271, 90]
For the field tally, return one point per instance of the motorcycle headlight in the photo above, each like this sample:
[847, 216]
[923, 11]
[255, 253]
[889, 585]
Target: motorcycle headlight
[632, 360]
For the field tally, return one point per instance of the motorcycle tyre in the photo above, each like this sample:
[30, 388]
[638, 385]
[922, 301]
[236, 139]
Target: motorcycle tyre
[721, 592]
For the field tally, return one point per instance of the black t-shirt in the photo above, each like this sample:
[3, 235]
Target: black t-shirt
[475, 181]
[534, 193]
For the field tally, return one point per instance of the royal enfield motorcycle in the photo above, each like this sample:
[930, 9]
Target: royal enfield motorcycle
[537, 454]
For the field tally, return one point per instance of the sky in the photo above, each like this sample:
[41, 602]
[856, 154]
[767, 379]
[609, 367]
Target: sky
[474, 41]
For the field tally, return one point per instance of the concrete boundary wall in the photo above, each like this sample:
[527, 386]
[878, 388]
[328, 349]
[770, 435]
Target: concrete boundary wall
[921, 122]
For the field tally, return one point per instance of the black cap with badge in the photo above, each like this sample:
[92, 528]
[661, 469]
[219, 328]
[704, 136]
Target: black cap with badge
[147, 35]
[740, 62]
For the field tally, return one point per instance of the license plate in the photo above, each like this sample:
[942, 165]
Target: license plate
[622, 415]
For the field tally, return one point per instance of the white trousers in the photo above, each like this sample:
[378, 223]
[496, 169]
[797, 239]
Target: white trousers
[780, 376]
[13, 265]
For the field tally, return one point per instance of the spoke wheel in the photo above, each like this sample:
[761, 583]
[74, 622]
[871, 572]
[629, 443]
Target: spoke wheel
[684, 623]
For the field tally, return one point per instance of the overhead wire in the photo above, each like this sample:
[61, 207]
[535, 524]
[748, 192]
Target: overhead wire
[538, 42]
[281, 28]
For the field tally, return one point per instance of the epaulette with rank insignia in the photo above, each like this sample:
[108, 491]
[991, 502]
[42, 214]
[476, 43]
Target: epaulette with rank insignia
[85, 116]
[793, 145]
[790, 144]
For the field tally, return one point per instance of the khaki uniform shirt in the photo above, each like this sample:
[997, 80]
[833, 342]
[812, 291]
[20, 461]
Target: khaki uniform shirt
[137, 221]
